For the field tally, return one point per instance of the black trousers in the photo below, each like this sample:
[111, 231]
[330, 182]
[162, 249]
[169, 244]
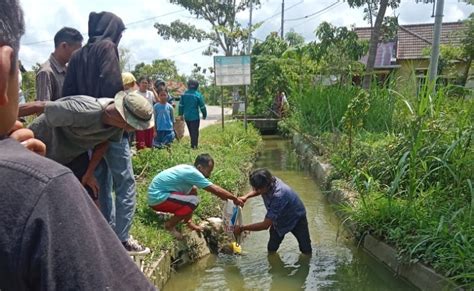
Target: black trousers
[300, 231]
[193, 128]
[78, 167]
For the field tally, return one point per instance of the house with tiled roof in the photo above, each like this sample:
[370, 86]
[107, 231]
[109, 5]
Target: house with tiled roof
[407, 52]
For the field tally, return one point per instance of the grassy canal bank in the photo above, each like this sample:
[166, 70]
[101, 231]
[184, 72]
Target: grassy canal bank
[410, 159]
[233, 150]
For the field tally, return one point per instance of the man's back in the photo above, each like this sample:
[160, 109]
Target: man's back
[51, 233]
[94, 70]
[72, 125]
[190, 104]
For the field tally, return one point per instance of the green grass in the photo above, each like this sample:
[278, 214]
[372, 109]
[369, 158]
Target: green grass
[233, 150]
[412, 161]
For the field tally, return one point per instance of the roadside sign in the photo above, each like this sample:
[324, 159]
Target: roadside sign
[232, 71]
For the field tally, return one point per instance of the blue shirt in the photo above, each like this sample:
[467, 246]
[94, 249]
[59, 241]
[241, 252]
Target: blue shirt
[191, 102]
[180, 178]
[163, 116]
[284, 207]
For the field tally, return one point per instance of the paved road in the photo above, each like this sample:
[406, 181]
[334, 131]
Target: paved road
[213, 116]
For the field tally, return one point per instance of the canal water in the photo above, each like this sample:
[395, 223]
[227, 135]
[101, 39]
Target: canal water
[336, 264]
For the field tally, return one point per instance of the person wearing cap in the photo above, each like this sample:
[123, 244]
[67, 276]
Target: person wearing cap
[191, 102]
[161, 83]
[129, 84]
[94, 70]
[71, 126]
[129, 81]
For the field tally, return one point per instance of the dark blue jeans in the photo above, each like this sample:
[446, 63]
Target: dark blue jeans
[193, 128]
[300, 231]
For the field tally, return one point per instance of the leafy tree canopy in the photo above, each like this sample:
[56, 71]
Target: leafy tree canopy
[162, 68]
[337, 45]
[226, 32]
[293, 38]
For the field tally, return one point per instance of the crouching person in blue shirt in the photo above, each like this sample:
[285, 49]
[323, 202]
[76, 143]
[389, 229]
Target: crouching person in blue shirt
[285, 211]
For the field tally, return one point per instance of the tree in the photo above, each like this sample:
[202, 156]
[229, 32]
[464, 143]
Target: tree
[375, 35]
[29, 82]
[338, 50]
[268, 72]
[164, 69]
[450, 54]
[226, 33]
[293, 38]
[468, 46]
[124, 58]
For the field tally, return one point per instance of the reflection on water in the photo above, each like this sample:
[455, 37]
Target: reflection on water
[335, 264]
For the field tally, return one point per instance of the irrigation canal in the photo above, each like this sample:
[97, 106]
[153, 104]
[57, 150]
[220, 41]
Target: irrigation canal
[336, 263]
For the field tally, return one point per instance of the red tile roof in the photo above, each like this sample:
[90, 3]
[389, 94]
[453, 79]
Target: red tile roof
[414, 38]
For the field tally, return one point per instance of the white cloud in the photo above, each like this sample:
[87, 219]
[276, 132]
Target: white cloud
[45, 17]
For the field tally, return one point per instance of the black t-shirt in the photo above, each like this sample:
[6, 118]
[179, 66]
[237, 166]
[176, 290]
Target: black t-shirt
[52, 237]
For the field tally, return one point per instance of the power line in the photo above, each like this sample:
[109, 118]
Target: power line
[315, 13]
[320, 13]
[279, 11]
[128, 24]
[185, 52]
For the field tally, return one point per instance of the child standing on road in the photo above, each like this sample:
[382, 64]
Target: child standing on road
[164, 118]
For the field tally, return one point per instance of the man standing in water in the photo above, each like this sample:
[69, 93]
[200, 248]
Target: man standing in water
[285, 211]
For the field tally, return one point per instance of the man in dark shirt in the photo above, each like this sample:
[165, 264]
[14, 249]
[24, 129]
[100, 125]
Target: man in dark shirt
[285, 211]
[51, 238]
[50, 77]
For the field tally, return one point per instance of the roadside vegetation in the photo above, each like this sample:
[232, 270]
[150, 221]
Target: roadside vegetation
[233, 150]
[411, 159]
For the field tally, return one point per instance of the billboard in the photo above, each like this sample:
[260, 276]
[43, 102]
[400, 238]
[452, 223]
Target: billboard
[231, 71]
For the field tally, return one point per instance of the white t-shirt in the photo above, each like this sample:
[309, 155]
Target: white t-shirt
[148, 95]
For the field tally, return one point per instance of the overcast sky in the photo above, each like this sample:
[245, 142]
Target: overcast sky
[45, 17]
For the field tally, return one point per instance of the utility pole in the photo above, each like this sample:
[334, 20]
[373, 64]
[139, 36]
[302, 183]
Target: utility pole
[436, 40]
[282, 18]
[249, 51]
[249, 48]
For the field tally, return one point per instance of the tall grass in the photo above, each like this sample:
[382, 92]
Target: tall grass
[321, 109]
[412, 160]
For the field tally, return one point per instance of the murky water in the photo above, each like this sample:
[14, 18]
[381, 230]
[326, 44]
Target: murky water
[336, 263]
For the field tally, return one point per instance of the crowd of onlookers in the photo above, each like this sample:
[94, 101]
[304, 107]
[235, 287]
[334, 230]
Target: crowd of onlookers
[72, 166]
[101, 161]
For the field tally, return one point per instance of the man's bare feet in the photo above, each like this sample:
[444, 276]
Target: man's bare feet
[193, 226]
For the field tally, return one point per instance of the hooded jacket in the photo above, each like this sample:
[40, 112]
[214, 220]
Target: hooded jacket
[94, 70]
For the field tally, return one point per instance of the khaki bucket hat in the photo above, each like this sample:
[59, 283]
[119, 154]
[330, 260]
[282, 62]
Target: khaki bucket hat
[135, 109]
